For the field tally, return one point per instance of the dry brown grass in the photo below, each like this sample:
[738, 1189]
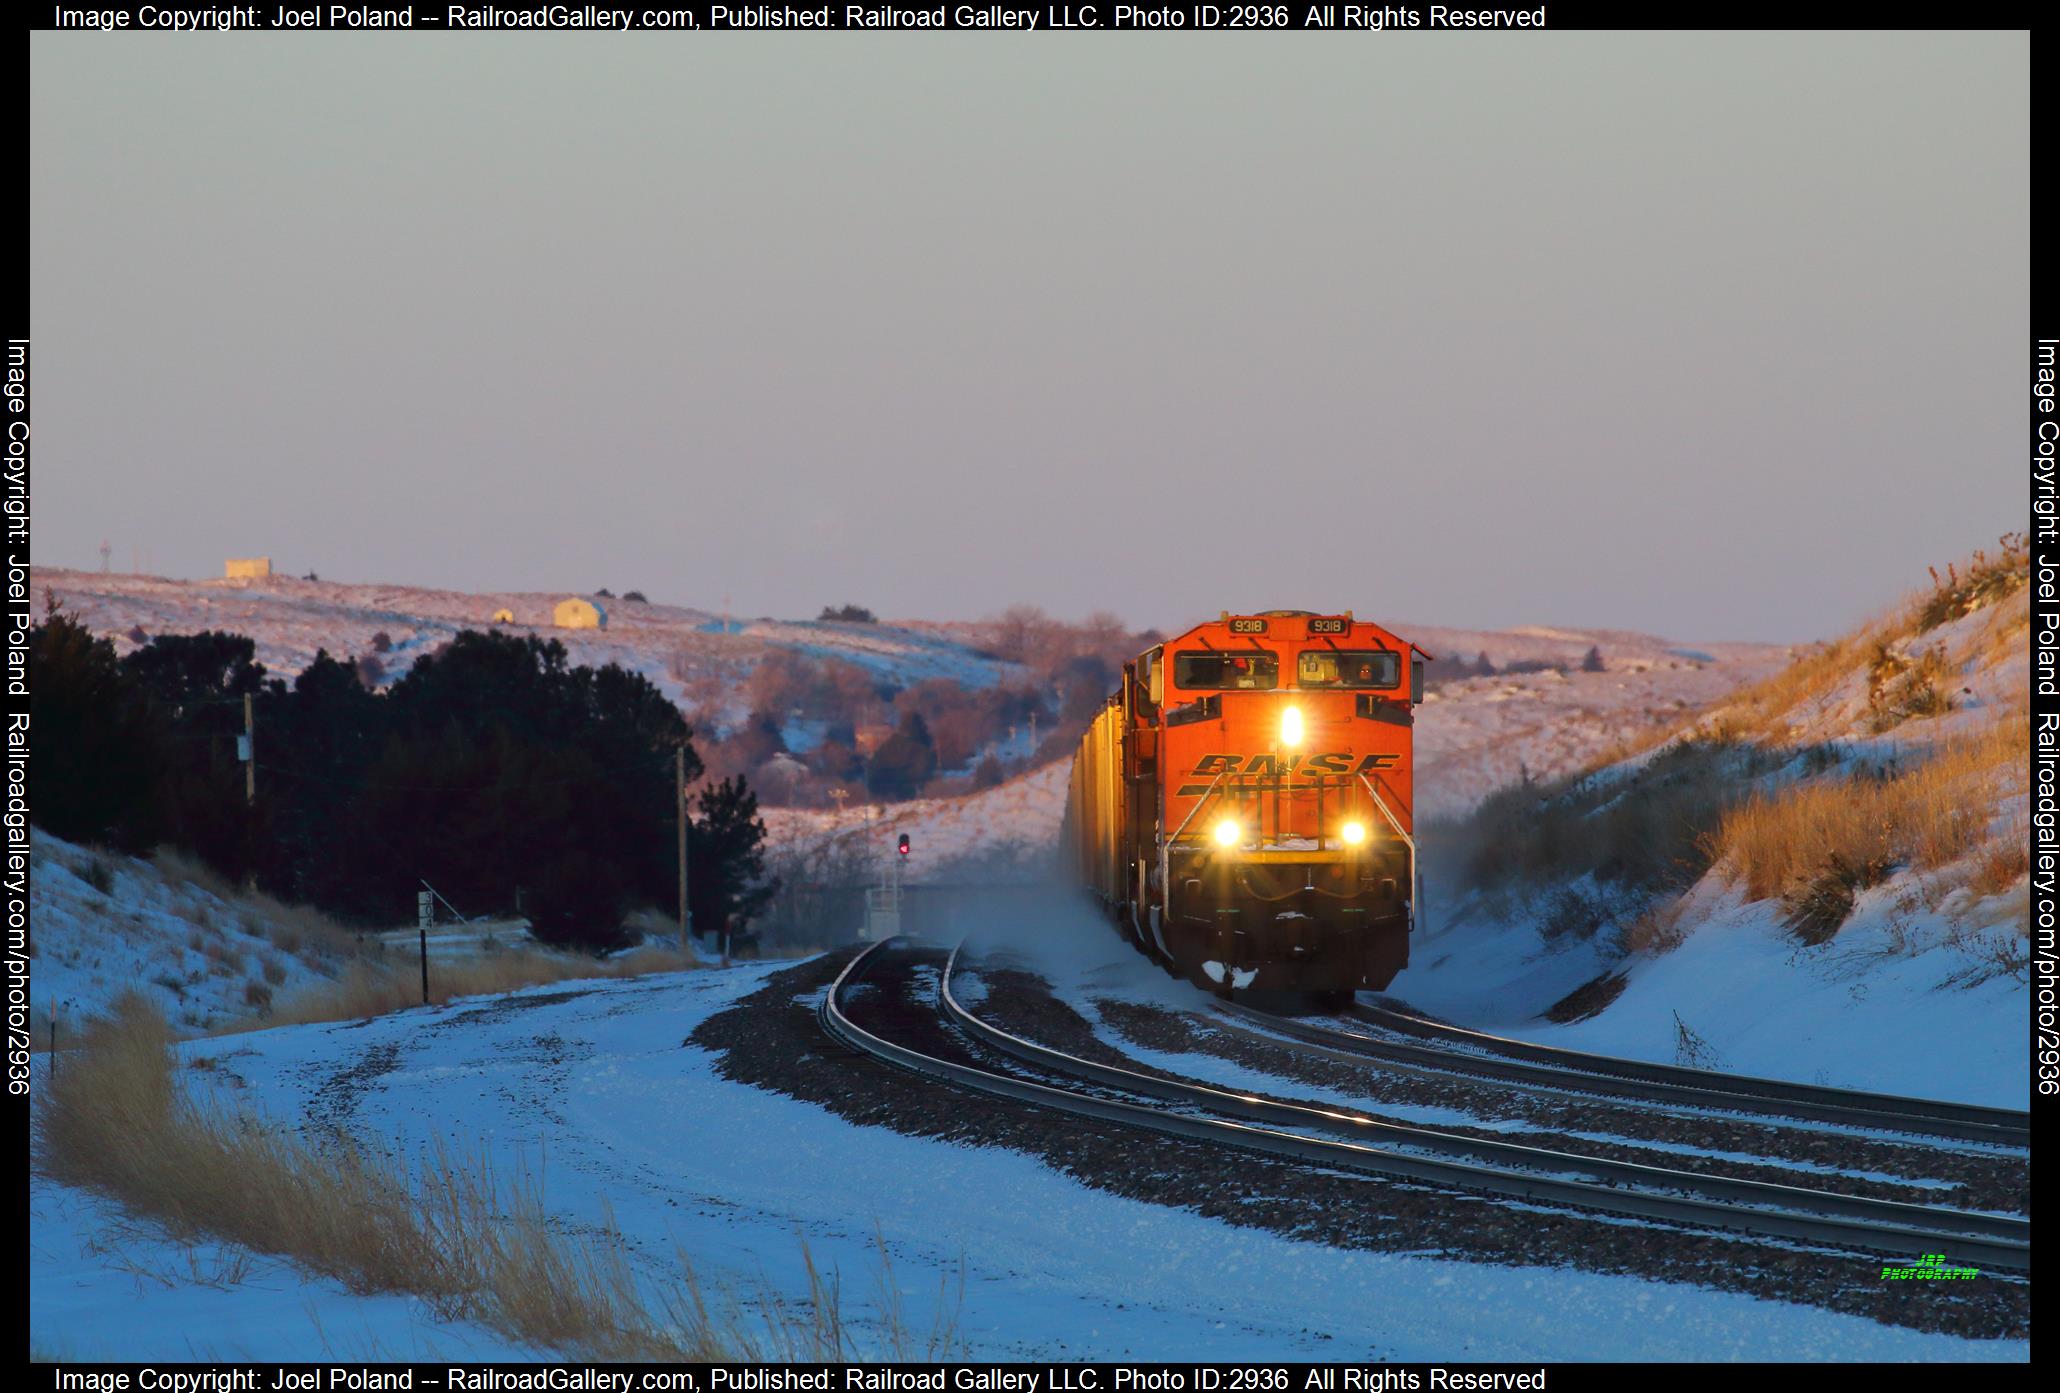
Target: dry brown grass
[474, 1244]
[176, 865]
[1763, 710]
[1927, 816]
[2003, 862]
[1980, 581]
[118, 1120]
[376, 987]
[299, 929]
[1901, 686]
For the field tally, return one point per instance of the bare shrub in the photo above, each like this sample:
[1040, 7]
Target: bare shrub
[98, 874]
[176, 865]
[1818, 907]
[1571, 912]
[1691, 1051]
[1902, 688]
[1987, 580]
[1998, 950]
[821, 898]
[1653, 931]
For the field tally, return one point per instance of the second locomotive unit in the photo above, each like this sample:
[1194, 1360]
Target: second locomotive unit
[1243, 805]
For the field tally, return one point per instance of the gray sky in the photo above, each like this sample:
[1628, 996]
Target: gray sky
[1714, 335]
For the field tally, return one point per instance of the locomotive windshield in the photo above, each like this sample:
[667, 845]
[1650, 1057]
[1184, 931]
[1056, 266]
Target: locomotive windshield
[1332, 667]
[1253, 671]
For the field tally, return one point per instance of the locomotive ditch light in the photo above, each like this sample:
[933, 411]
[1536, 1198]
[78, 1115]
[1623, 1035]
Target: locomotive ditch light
[1354, 833]
[1291, 727]
[1228, 833]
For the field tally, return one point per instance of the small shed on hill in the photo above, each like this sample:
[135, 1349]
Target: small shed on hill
[577, 613]
[247, 568]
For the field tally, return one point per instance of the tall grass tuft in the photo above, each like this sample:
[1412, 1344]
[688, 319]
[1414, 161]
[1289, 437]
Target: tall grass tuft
[474, 1244]
[1818, 833]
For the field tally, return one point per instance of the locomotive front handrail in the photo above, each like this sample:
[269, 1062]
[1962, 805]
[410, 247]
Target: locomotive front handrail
[1415, 904]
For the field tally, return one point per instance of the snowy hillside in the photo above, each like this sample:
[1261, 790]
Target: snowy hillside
[1855, 831]
[107, 923]
[672, 646]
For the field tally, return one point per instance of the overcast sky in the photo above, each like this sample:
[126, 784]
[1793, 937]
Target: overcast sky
[1718, 336]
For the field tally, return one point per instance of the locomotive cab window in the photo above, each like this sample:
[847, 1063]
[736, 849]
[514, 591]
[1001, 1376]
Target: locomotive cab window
[1331, 667]
[1232, 671]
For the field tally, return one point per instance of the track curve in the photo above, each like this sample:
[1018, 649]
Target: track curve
[1400, 1152]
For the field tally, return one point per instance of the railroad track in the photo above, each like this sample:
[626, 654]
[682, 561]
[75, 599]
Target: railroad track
[1965, 1119]
[1046, 1078]
[1570, 1072]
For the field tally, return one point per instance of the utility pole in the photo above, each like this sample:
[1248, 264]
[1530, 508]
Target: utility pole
[678, 794]
[249, 751]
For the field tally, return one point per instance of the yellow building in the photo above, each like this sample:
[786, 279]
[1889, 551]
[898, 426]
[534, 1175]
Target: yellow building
[579, 614]
[247, 567]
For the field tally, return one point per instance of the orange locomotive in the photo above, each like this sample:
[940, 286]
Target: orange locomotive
[1243, 805]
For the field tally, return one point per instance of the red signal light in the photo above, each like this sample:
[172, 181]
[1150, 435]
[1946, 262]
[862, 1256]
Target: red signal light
[903, 846]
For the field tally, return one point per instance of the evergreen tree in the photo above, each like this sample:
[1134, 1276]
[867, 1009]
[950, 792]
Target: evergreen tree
[100, 751]
[727, 881]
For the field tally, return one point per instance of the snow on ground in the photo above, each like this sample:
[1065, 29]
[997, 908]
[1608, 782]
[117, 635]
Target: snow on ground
[1476, 735]
[671, 645]
[205, 957]
[1853, 1013]
[1086, 964]
[201, 958]
[104, 1286]
[1906, 998]
[595, 1091]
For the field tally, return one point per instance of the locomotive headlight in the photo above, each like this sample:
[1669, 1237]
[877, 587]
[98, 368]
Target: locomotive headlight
[1354, 833]
[1228, 833]
[1291, 727]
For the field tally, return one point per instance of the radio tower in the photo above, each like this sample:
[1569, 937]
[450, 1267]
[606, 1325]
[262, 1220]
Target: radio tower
[105, 552]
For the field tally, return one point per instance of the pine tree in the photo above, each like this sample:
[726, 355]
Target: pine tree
[727, 883]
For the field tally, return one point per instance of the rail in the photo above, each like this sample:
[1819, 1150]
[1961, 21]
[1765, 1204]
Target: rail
[1992, 1241]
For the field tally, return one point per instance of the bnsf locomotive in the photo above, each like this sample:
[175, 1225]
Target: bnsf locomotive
[1243, 804]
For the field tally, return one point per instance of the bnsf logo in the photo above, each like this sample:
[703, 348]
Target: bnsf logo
[1209, 766]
